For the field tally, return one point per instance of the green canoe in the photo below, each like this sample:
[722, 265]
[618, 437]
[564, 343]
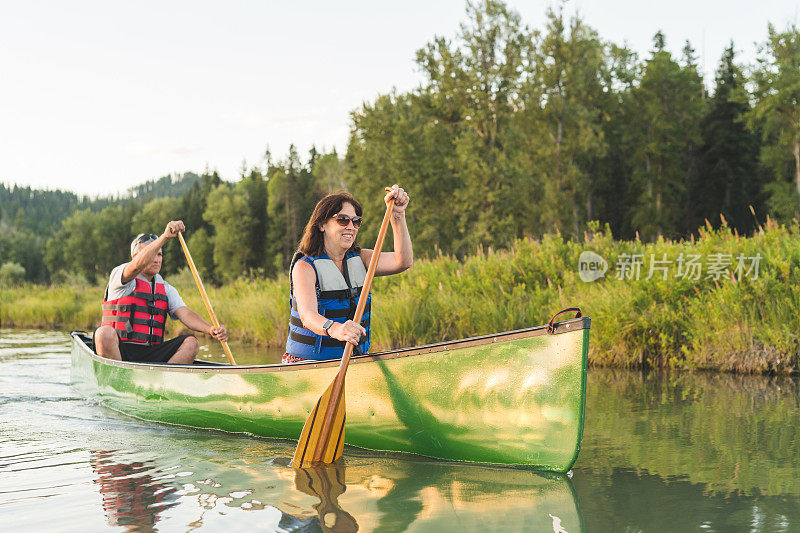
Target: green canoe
[511, 398]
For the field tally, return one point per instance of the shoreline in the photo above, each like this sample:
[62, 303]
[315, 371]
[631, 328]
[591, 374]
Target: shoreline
[741, 323]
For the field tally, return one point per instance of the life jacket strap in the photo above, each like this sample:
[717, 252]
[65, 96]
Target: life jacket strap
[327, 342]
[342, 294]
[149, 296]
[144, 337]
[135, 321]
[124, 308]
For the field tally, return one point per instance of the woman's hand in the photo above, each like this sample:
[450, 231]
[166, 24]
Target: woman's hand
[347, 332]
[401, 199]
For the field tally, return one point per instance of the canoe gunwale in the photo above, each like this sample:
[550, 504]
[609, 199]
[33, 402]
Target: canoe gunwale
[565, 326]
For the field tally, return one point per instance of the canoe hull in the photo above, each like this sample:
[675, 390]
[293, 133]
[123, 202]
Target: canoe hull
[513, 398]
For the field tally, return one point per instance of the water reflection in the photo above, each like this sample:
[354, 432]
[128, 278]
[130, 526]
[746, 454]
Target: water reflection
[682, 452]
[734, 434]
[363, 493]
[131, 496]
[660, 453]
[625, 499]
[327, 482]
[668, 453]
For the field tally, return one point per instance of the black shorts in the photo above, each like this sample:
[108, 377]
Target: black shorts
[159, 353]
[143, 353]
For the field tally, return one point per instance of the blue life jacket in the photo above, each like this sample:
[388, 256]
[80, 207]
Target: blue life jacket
[337, 299]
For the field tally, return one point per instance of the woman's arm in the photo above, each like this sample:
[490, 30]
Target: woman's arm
[304, 281]
[403, 255]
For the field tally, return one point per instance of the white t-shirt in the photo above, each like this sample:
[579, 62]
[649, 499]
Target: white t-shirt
[117, 289]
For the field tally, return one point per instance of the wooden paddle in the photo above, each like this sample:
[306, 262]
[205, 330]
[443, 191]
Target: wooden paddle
[204, 295]
[322, 438]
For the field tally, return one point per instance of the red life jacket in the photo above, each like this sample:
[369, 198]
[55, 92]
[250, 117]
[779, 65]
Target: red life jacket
[140, 316]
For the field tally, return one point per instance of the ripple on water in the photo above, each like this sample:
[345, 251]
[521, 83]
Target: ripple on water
[657, 455]
[94, 469]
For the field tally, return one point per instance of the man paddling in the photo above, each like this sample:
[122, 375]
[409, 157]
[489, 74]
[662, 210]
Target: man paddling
[136, 304]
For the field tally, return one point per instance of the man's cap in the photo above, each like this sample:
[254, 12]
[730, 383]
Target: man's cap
[142, 238]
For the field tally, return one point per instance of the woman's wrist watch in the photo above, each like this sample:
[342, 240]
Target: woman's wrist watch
[328, 323]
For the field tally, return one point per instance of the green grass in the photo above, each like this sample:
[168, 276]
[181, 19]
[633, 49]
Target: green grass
[733, 325]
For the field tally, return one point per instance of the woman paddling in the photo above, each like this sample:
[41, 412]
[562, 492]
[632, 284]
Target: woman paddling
[328, 271]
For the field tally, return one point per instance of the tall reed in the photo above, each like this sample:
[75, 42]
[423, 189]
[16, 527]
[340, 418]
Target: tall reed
[731, 323]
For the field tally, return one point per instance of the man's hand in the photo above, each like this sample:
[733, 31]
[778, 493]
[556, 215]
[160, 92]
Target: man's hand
[220, 333]
[173, 228]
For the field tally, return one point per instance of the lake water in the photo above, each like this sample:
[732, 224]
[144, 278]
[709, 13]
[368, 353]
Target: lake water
[685, 452]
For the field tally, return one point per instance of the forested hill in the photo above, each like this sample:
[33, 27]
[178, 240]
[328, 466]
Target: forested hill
[41, 211]
[29, 217]
[171, 185]
[38, 211]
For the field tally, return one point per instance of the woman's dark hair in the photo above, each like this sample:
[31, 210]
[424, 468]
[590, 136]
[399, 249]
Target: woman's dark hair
[313, 243]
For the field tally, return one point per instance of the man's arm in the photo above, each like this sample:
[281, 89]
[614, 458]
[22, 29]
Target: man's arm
[146, 255]
[193, 321]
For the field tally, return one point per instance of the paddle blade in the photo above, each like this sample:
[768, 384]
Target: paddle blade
[312, 443]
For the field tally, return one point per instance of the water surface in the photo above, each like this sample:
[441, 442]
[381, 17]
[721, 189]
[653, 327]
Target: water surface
[660, 453]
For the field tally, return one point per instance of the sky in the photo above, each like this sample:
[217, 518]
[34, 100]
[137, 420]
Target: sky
[98, 96]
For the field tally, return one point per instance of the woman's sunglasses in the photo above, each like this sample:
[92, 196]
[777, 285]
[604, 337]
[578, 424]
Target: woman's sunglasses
[343, 220]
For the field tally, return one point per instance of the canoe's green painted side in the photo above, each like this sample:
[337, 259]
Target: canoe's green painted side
[512, 399]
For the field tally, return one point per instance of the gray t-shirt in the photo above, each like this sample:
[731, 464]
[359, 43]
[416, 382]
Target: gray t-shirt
[117, 289]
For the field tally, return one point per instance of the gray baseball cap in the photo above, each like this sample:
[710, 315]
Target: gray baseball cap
[142, 238]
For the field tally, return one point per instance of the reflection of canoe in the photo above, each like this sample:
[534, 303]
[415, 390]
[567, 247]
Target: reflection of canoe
[252, 484]
[512, 398]
[384, 494]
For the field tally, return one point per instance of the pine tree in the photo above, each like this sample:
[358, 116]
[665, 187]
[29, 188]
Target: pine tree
[668, 103]
[729, 180]
[254, 188]
[693, 113]
[612, 194]
[292, 196]
[193, 203]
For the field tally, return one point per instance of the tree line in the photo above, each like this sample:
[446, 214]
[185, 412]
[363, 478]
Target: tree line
[519, 131]
[248, 227]
[513, 132]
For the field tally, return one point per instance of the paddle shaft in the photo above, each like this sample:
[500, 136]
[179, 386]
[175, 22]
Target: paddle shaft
[204, 295]
[338, 382]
